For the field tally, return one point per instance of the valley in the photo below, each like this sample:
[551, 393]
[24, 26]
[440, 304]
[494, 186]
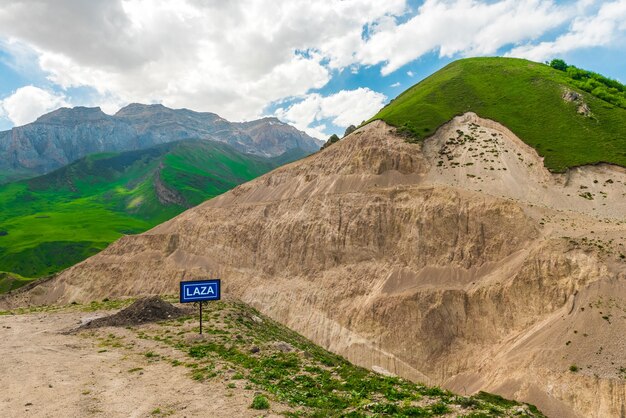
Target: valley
[51, 222]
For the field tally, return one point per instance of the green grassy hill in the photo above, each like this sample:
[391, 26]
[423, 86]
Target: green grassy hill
[526, 97]
[11, 281]
[54, 221]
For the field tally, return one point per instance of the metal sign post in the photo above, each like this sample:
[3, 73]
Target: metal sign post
[200, 291]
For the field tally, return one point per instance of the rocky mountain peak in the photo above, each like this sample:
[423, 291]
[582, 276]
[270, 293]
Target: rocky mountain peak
[64, 135]
[272, 120]
[78, 114]
[138, 108]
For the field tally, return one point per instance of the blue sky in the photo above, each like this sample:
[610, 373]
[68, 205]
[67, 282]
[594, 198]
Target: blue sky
[320, 65]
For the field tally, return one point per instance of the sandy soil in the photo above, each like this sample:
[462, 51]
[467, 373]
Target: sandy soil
[46, 373]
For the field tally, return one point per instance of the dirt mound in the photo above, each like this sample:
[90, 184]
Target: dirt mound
[144, 310]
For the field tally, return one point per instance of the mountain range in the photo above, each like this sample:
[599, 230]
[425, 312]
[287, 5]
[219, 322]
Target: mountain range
[107, 176]
[67, 134]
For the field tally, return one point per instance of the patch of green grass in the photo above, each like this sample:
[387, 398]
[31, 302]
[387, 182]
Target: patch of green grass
[12, 281]
[54, 221]
[291, 370]
[495, 399]
[524, 96]
[198, 375]
[90, 307]
[260, 402]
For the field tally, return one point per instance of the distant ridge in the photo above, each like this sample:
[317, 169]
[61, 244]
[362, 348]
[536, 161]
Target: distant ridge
[67, 134]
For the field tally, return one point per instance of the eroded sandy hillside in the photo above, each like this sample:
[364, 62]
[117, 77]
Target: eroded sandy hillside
[460, 261]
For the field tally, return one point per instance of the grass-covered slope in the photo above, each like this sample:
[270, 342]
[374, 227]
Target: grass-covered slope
[526, 97]
[51, 222]
[282, 372]
[11, 281]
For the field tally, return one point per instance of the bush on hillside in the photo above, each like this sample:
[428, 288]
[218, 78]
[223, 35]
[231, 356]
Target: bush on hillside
[607, 89]
[260, 402]
[558, 64]
[333, 138]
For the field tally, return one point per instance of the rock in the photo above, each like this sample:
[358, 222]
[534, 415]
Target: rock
[255, 349]
[571, 96]
[383, 371]
[583, 109]
[283, 346]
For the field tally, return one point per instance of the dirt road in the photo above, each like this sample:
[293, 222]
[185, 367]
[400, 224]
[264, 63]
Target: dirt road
[45, 373]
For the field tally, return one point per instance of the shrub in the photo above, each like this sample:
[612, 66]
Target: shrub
[558, 64]
[333, 138]
[573, 368]
[260, 402]
[439, 408]
[349, 130]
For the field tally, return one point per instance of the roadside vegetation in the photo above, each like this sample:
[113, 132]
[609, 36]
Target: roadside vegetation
[288, 374]
[527, 97]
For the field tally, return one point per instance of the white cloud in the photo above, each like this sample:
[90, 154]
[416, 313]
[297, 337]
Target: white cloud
[317, 131]
[395, 84]
[344, 108]
[466, 27]
[228, 57]
[28, 103]
[234, 58]
[601, 29]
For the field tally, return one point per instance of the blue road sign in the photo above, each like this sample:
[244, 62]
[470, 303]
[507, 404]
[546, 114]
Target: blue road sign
[200, 290]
